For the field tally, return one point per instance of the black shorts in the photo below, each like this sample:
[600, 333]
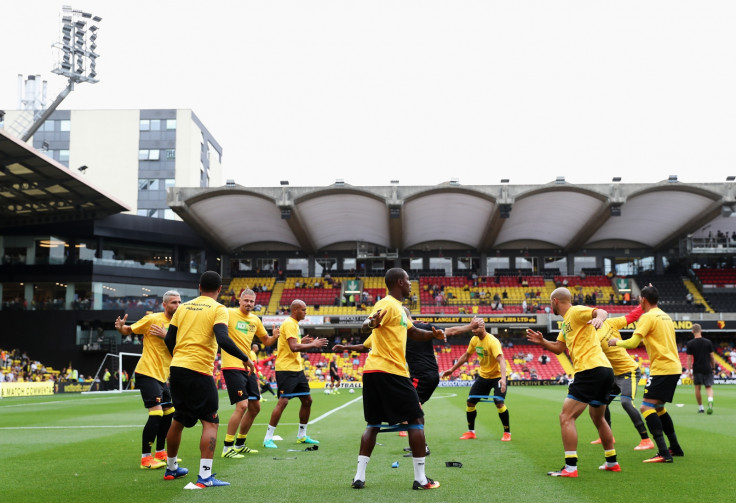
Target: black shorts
[292, 383]
[241, 385]
[484, 387]
[425, 385]
[389, 398]
[592, 386]
[704, 379]
[195, 397]
[334, 377]
[153, 391]
[624, 385]
[661, 387]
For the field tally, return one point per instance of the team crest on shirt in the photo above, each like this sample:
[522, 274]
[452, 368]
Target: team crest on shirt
[240, 392]
[158, 399]
[480, 351]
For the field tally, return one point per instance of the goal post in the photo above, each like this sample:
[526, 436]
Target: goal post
[115, 362]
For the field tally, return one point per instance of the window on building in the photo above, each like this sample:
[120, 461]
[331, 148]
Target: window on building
[47, 126]
[155, 125]
[171, 153]
[145, 125]
[169, 183]
[171, 124]
[149, 184]
[149, 155]
[64, 155]
[65, 125]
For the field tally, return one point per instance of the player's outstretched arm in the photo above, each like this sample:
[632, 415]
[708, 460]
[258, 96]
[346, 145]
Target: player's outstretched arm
[340, 348]
[628, 343]
[536, 337]
[460, 362]
[269, 340]
[373, 321]
[462, 329]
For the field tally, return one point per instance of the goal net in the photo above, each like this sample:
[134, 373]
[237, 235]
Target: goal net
[117, 365]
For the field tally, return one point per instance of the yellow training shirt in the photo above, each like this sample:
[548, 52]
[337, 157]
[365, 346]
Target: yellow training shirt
[618, 357]
[286, 359]
[388, 353]
[658, 333]
[156, 358]
[241, 328]
[487, 350]
[196, 346]
[581, 340]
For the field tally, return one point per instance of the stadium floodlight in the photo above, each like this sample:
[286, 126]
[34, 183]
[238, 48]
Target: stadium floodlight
[730, 178]
[394, 182]
[560, 180]
[284, 182]
[616, 179]
[285, 213]
[672, 179]
[79, 27]
[76, 61]
[505, 180]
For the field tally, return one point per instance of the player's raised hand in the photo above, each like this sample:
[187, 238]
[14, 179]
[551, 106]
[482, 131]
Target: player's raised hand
[319, 342]
[338, 348]
[439, 334]
[374, 320]
[534, 336]
[307, 339]
[120, 323]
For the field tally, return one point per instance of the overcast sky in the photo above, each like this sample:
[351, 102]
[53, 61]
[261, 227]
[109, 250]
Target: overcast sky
[420, 91]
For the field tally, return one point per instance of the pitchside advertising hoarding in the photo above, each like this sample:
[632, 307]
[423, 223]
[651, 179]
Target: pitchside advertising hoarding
[449, 319]
[680, 325]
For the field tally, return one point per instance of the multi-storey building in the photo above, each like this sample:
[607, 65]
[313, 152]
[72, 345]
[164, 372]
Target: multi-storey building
[134, 154]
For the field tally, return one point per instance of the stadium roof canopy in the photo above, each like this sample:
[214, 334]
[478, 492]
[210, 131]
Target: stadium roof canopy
[556, 216]
[35, 189]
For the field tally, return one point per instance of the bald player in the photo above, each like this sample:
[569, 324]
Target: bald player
[593, 377]
[290, 376]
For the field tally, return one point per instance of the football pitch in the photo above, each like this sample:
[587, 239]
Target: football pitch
[86, 448]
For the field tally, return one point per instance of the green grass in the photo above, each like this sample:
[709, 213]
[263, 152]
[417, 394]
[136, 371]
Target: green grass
[86, 449]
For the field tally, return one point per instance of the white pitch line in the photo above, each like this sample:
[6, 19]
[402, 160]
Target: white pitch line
[334, 410]
[68, 427]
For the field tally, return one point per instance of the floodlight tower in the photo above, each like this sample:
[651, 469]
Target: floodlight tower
[78, 61]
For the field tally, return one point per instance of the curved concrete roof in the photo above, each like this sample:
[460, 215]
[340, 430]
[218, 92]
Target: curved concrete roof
[399, 218]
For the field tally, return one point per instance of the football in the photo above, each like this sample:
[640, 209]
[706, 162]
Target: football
[351, 391]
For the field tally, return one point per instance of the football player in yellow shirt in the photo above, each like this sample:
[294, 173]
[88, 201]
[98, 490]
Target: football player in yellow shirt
[242, 387]
[657, 331]
[593, 377]
[290, 376]
[151, 375]
[195, 331]
[388, 394]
